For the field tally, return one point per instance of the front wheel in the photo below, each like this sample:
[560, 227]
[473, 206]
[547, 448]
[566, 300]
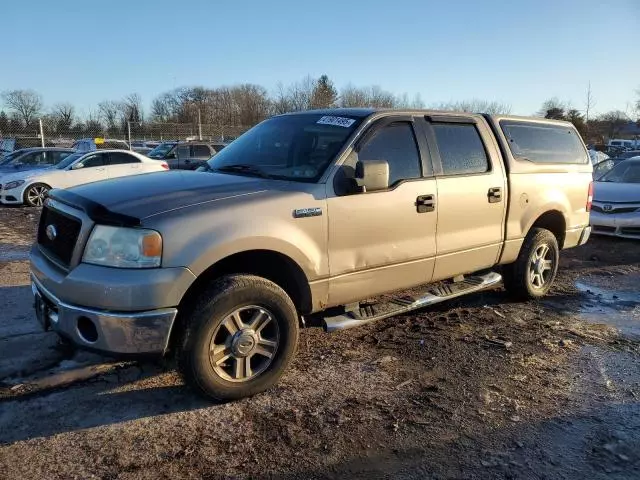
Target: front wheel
[36, 194]
[533, 273]
[239, 338]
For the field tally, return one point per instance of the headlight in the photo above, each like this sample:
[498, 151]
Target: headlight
[14, 184]
[123, 247]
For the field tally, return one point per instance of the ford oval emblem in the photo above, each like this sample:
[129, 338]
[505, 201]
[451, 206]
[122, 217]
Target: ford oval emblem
[51, 232]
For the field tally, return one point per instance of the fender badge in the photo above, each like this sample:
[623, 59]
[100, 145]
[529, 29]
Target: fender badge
[307, 212]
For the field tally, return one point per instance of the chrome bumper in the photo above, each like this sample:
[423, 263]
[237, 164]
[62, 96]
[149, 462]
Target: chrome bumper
[144, 333]
[584, 236]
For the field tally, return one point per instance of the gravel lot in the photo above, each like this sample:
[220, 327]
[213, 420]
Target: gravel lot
[480, 387]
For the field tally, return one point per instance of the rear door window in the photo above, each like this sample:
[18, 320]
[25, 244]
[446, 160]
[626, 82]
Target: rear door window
[201, 151]
[544, 142]
[184, 151]
[121, 158]
[461, 149]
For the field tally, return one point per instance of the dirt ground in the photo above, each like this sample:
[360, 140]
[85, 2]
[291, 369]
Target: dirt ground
[480, 387]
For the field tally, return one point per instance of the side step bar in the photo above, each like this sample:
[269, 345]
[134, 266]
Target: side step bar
[370, 313]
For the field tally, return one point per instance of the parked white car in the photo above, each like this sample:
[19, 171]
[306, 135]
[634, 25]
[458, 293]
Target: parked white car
[31, 187]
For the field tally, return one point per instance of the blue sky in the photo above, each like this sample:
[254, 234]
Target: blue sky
[518, 52]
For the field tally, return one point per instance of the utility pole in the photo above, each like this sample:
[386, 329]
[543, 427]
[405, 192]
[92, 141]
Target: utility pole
[41, 133]
[199, 125]
[129, 132]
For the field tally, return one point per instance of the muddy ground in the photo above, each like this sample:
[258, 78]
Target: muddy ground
[480, 387]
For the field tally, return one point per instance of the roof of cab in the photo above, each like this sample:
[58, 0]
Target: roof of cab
[365, 112]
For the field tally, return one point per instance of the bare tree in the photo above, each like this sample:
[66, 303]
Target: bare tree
[131, 108]
[553, 108]
[63, 116]
[301, 93]
[26, 104]
[613, 122]
[475, 106]
[281, 101]
[373, 96]
[110, 113]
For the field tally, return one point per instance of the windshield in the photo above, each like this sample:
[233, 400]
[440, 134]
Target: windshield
[161, 150]
[624, 172]
[69, 160]
[290, 147]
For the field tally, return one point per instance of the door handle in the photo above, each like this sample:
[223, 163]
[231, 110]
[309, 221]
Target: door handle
[425, 203]
[495, 195]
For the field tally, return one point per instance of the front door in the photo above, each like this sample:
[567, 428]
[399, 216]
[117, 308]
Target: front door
[383, 241]
[471, 196]
[94, 168]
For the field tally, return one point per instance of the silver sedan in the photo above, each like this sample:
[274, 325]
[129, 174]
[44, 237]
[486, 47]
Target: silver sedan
[616, 201]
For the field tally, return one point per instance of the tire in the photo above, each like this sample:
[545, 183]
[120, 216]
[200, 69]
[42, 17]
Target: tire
[529, 278]
[268, 316]
[36, 194]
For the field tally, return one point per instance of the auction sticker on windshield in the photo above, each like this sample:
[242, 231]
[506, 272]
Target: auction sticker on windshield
[337, 121]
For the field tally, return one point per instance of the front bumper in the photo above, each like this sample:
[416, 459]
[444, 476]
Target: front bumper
[624, 225]
[125, 333]
[112, 310]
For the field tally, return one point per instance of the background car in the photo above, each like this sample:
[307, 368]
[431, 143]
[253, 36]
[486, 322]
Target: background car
[185, 155]
[8, 145]
[92, 144]
[32, 159]
[31, 187]
[616, 201]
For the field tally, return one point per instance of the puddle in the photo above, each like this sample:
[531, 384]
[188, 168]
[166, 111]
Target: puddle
[618, 307]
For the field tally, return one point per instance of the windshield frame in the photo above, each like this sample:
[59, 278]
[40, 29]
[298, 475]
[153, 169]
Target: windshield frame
[323, 169]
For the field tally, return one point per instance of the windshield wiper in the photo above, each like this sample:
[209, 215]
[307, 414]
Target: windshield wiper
[243, 168]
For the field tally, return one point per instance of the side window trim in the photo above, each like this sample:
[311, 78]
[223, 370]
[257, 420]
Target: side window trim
[435, 151]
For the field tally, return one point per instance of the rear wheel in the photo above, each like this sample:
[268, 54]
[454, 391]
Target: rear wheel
[239, 338]
[533, 273]
[36, 194]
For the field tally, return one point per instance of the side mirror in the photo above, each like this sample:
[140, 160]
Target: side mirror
[373, 175]
[78, 166]
[170, 156]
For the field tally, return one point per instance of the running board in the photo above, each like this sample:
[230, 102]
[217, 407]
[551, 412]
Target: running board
[396, 306]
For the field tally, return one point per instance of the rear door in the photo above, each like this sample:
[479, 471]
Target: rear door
[471, 194]
[122, 164]
[183, 157]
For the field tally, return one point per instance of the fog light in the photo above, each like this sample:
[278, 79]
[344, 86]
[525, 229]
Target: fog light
[87, 330]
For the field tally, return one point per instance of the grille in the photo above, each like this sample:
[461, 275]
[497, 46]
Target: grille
[615, 209]
[67, 229]
[604, 229]
[631, 230]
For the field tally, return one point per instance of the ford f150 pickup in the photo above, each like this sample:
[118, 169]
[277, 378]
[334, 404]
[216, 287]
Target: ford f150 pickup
[296, 223]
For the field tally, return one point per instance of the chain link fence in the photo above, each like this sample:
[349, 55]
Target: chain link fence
[46, 132]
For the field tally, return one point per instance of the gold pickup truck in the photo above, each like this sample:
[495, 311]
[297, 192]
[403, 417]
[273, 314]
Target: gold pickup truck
[295, 223]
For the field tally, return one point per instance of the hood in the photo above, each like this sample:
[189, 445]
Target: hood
[616, 192]
[13, 174]
[140, 196]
